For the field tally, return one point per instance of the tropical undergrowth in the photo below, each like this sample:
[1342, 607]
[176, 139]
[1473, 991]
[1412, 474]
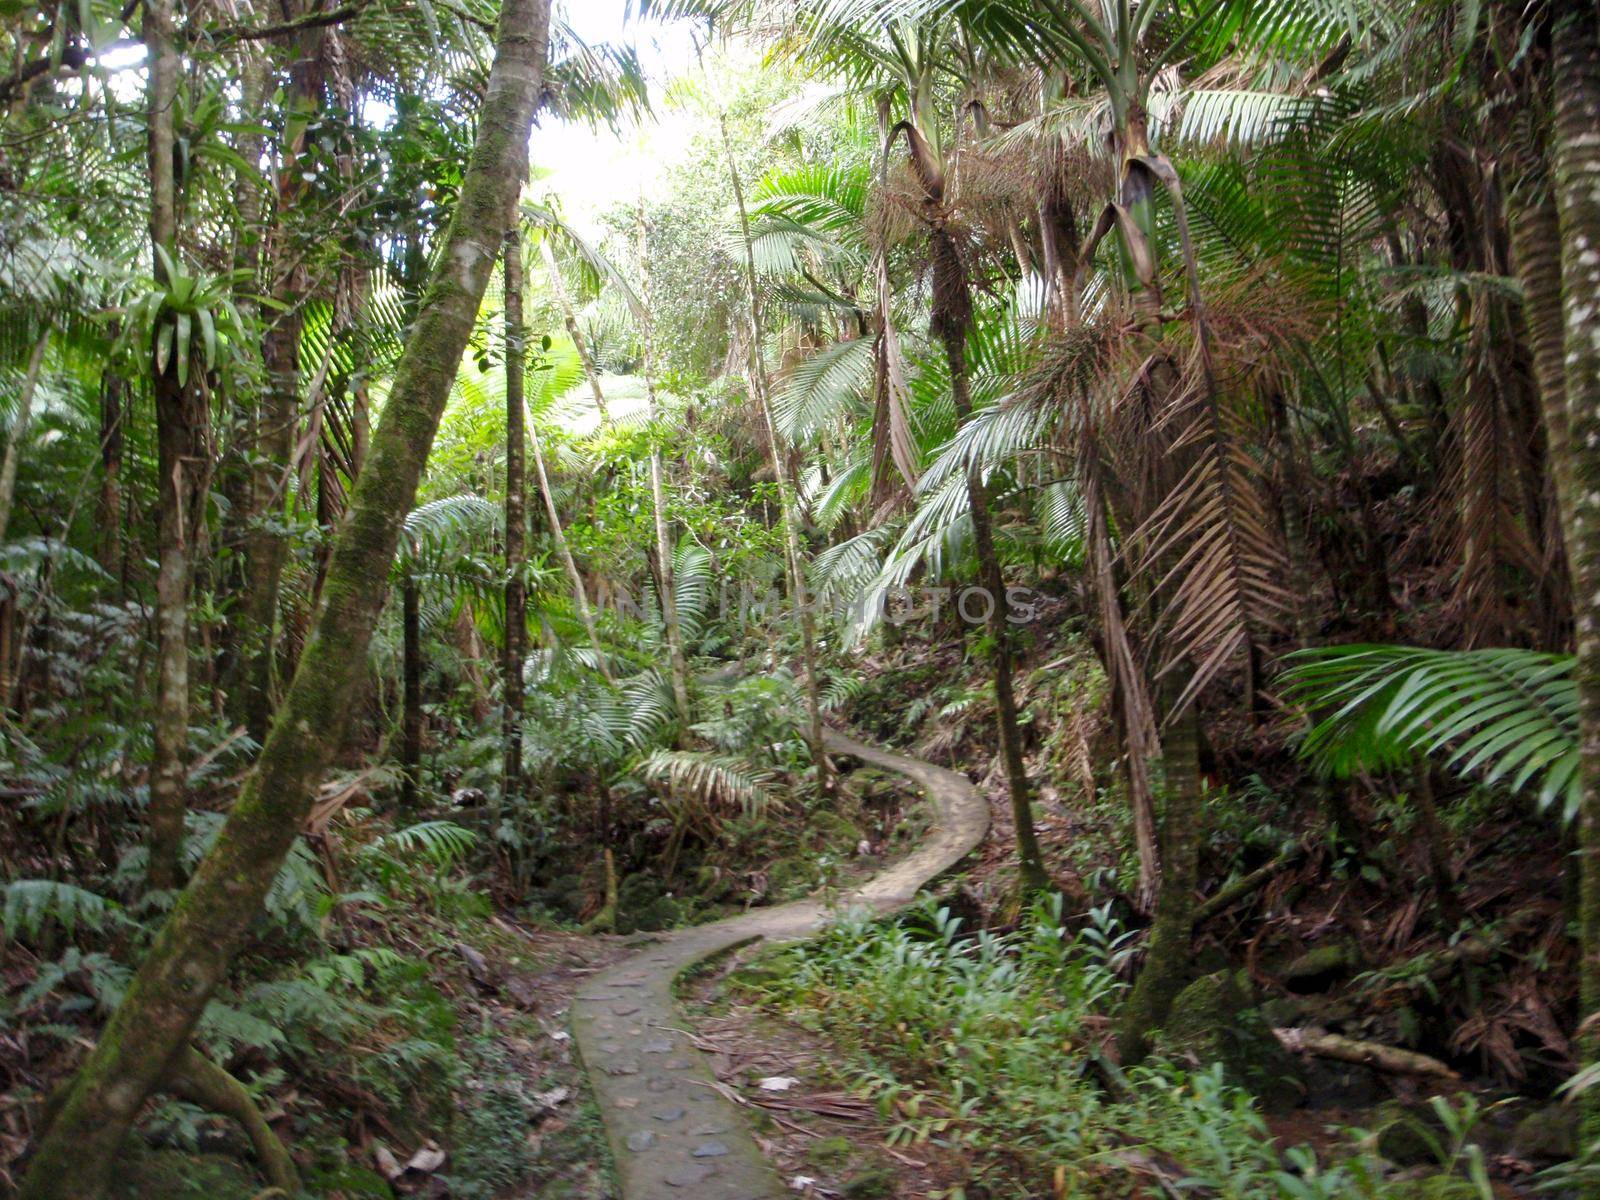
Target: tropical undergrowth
[996, 1045]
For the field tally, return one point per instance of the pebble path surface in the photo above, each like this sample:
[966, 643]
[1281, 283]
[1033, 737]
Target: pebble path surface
[672, 1133]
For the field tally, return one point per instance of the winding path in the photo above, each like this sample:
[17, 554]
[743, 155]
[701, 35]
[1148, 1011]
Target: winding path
[672, 1133]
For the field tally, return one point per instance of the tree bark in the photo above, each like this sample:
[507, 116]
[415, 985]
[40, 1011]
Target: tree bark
[1166, 966]
[183, 464]
[212, 918]
[1575, 48]
[788, 500]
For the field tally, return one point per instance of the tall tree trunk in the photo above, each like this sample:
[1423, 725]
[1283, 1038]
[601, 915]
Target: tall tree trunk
[212, 918]
[1183, 825]
[236, 471]
[267, 545]
[1536, 241]
[951, 318]
[569, 317]
[1576, 71]
[183, 469]
[788, 499]
[1166, 966]
[677, 665]
[19, 431]
[516, 639]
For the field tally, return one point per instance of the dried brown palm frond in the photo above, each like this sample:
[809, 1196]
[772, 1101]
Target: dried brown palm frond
[1495, 499]
[1210, 549]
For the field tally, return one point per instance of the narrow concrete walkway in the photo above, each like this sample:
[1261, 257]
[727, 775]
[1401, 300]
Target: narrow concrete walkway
[672, 1134]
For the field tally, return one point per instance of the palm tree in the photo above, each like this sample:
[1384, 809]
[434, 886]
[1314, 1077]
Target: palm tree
[902, 61]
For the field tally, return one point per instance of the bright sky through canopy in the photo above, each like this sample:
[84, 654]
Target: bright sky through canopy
[594, 169]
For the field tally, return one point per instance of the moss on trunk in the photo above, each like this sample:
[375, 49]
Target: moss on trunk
[212, 917]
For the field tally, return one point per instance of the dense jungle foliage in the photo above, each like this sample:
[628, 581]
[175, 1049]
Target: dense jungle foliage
[464, 464]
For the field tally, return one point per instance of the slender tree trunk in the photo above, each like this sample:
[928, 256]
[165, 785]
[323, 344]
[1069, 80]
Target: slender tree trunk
[516, 639]
[678, 666]
[267, 544]
[951, 318]
[569, 317]
[580, 593]
[212, 918]
[19, 431]
[184, 469]
[1167, 963]
[788, 499]
[1576, 67]
[237, 473]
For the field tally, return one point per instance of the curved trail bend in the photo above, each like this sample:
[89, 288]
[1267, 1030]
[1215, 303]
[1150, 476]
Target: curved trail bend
[672, 1134]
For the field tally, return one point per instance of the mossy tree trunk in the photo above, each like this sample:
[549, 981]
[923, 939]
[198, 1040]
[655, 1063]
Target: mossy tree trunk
[212, 918]
[1576, 160]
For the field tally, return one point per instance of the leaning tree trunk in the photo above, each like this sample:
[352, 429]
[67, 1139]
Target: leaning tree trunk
[569, 317]
[184, 471]
[1576, 69]
[788, 501]
[212, 918]
[580, 593]
[516, 639]
[951, 318]
[677, 664]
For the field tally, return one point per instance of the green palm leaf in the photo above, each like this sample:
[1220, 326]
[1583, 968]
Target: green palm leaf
[1502, 716]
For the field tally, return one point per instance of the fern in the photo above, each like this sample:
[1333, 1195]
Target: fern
[716, 780]
[438, 842]
[33, 904]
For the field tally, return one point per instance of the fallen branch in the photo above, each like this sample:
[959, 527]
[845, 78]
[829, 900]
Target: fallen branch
[1389, 1059]
[1231, 893]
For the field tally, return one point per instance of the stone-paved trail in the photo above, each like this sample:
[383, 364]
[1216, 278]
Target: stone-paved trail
[672, 1134]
